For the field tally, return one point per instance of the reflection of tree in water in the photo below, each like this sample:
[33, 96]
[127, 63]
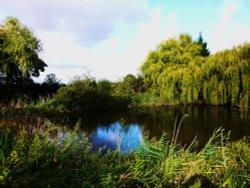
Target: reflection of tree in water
[154, 121]
[202, 121]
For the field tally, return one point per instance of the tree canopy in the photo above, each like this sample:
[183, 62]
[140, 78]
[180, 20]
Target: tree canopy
[19, 49]
[180, 70]
[172, 71]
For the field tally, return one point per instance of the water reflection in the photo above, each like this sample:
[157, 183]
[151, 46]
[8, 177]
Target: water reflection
[125, 138]
[126, 129]
[202, 122]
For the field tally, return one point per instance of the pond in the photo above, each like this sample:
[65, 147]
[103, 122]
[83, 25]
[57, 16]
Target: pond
[127, 129]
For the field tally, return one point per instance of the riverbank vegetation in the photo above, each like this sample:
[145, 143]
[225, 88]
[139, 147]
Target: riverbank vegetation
[179, 72]
[57, 157]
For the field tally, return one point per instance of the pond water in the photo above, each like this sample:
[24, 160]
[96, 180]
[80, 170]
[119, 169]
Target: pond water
[127, 129]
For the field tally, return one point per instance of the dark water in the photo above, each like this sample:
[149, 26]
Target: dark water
[127, 129]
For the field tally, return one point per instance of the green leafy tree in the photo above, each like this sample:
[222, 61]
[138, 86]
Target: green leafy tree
[172, 71]
[226, 77]
[105, 87]
[51, 79]
[87, 95]
[19, 49]
[204, 51]
[181, 70]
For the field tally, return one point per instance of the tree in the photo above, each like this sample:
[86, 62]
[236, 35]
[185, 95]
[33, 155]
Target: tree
[51, 79]
[19, 49]
[205, 51]
[226, 77]
[87, 95]
[105, 86]
[172, 71]
[180, 71]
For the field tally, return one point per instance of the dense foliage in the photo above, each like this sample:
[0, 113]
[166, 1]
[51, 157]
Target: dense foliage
[226, 77]
[19, 50]
[19, 62]
[85, 95]
[57, 157]
[21, 95]
[181, 71]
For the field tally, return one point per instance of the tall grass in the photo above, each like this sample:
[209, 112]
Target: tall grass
[57, 157]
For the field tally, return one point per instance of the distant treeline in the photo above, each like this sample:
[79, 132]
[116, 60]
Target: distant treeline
[89, 95]
[180, 71]
[18, 95]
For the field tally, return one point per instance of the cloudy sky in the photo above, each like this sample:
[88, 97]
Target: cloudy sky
[111, 38]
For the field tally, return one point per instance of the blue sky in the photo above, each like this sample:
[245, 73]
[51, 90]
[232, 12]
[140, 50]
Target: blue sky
[111, 38]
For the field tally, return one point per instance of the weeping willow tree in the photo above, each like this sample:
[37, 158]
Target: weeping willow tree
[177, 71]
[226, 77]
[172, 72]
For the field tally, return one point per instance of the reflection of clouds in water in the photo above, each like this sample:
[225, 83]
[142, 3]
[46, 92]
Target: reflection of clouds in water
[110, 133]
[128, 137]
[131, 138]
[113, 137]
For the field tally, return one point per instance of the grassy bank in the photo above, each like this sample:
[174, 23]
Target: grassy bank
[52, 158]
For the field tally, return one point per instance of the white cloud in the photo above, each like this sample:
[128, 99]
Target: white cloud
[242, 33]
[90, 21]
[111, 59]
[172, 17]
[151, 33]
[120, 34]
[2, 17]
[227, 32]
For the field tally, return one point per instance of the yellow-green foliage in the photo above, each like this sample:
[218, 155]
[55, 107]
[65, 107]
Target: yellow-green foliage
[19, 50]
[227, 77]
[173, 70]
[177, 71]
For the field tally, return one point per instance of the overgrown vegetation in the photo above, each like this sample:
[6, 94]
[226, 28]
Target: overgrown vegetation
[57, 157]
[87, 95]
[19, 63]
[15, 96]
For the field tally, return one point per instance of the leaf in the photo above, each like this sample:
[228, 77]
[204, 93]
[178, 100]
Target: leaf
[228, 181]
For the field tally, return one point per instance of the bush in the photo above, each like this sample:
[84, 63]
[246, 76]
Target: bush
[86, 95]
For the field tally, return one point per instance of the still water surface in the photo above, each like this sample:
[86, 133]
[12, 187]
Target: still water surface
[127, 129]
